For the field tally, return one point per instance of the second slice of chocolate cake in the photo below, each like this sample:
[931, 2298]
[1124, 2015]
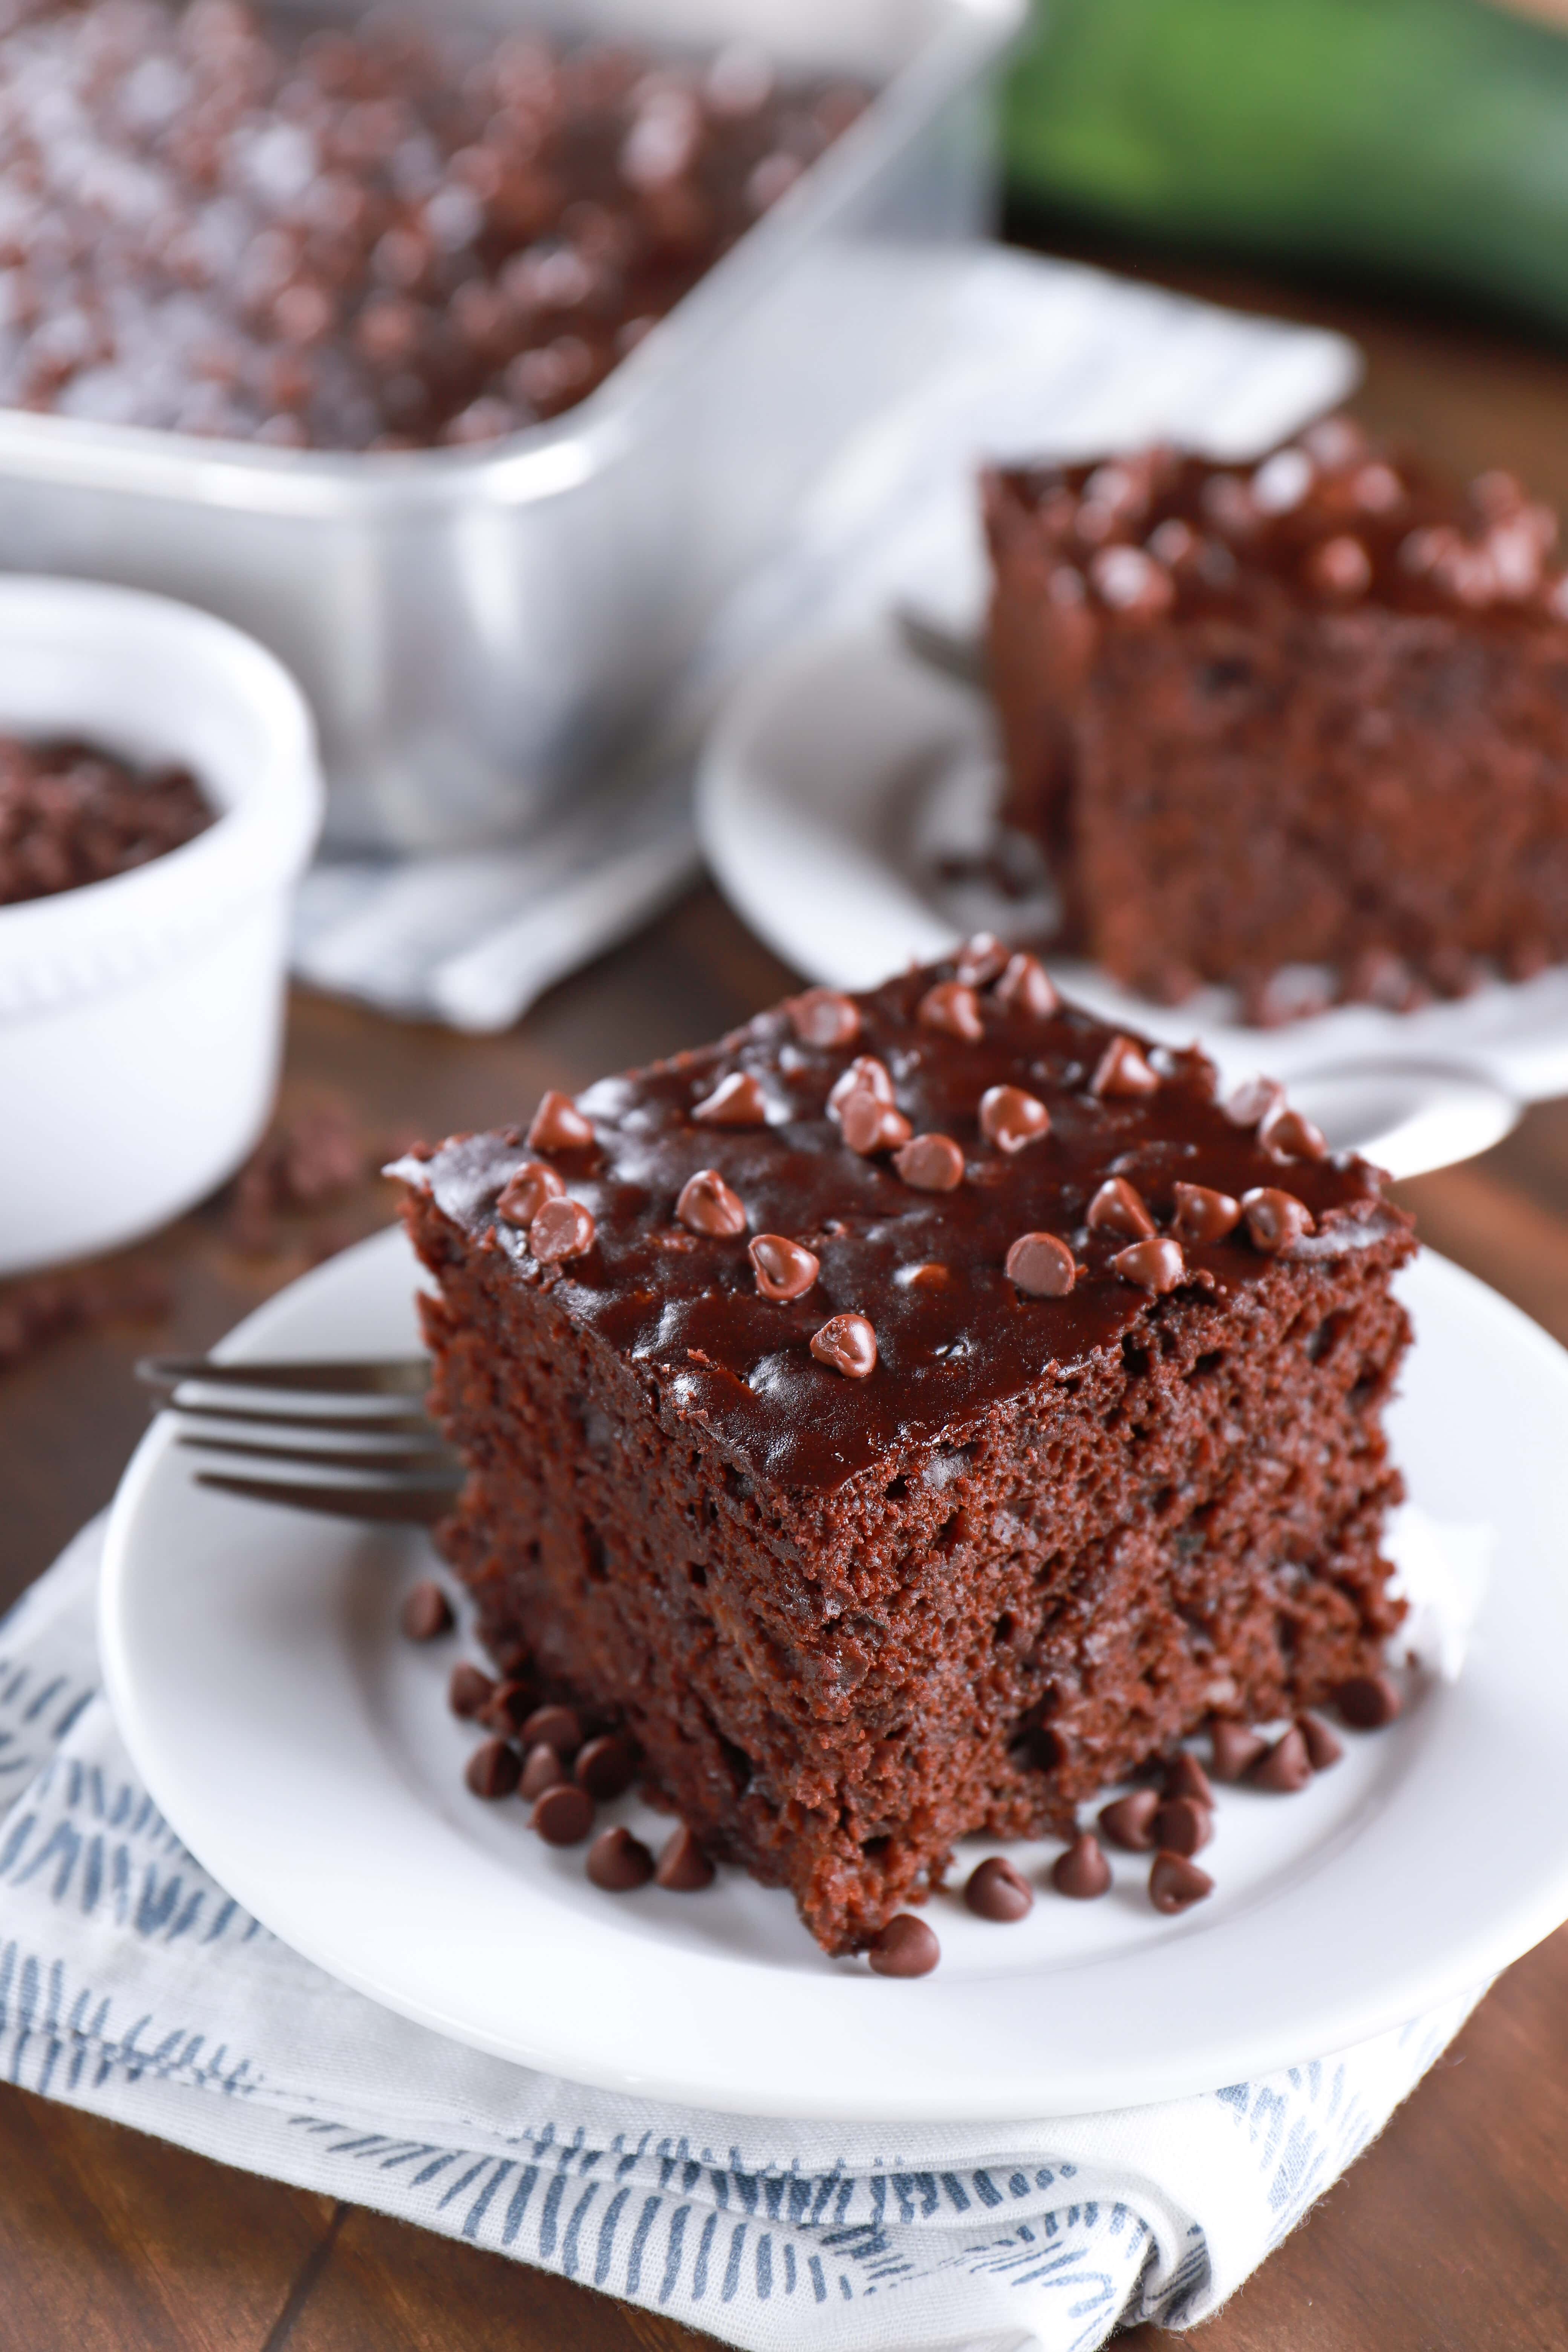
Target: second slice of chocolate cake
[910, 1413]
[1300, 727]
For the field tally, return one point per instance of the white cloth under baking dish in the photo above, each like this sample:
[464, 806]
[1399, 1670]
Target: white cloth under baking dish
[132, 1985]
[1039, 357]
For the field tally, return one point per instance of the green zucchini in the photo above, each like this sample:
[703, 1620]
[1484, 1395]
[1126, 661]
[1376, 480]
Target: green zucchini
[1427, 138]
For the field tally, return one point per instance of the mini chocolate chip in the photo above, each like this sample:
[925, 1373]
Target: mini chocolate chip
[607, 1765]
[541, 1769]
[980, 958]
[849, 1343]
[736, 1101]
[1120, 1208]
[427, 1612]
[558, 1124]
[526, 1190]
[563, 1229]
[1009, 1117]
[707, 1205]
[931, 1163]
[784, 1269]
[823, 1016]
[1368, 1702]
[1130, 1821]
[870, 1125]
[1294, 992]
[1203, 1216]
[1185, 1777]
[1335, 443]
[506, 1708]
[683, 1867]
[1251, 1103]
[1235, 1749]
[1121, 1069]
[1378, 976]
[468, 1692]
[1158, 1266]
[864, 1075]
[1183, 1826]
[1285, 1767]
[494, 1769]
[1377, 489]
[618, 1862]
[1323, 1748]
[1453, 972]
[1168, 980]
[1274, 1220]
[1132, 581]
[1173, 541]
[1526, 959]
[1338, 567]
[906, 1948]
[1285, 1134]
[1497, 494]
[1041, 1264]
[1025, 987]
[951, 1007]
[563, 1815]
[1175, 1883]
[997, 1891]
[1082, 1870]
[560, 1727]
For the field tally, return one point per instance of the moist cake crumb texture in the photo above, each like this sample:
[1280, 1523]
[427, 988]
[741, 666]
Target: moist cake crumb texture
[999, 1538]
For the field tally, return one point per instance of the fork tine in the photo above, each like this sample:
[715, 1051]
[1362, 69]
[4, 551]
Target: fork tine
[370, 1423]
[419, 1506]
[386, 1464]
[407, 1376]
[952, 652]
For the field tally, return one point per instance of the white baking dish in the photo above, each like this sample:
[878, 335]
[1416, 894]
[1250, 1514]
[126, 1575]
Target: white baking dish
[140, 1017]
[477, 631]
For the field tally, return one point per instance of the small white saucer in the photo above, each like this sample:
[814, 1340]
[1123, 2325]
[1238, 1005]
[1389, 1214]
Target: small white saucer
[305, 1755]
[844, 774]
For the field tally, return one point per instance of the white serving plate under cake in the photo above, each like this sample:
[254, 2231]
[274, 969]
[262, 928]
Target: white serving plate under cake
[305, 1755]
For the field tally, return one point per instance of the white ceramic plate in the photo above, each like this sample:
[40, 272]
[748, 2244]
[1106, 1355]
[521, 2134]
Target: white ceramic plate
[305, 1755]
[844, 775]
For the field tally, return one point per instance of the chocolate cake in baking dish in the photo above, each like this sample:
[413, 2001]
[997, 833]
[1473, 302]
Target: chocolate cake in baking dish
[364, 228]
[910, 1413]
[1301, 728]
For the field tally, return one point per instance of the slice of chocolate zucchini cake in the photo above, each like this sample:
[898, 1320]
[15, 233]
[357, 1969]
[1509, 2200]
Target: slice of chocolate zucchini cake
[1301, 728]
[912, 1412]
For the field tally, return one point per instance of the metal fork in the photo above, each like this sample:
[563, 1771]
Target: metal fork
[936, 646]
[413, 1482]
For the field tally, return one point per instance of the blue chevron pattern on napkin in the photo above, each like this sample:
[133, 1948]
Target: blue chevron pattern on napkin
[132, 1985]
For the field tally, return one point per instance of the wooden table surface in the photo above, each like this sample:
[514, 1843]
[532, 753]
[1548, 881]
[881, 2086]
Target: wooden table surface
[1452, 2231]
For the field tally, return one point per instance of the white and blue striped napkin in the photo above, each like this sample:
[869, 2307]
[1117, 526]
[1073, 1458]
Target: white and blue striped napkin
[132, 1985]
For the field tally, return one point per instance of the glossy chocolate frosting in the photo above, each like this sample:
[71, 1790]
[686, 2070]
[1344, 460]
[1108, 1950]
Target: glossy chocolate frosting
[1329, 521]
[954, 1334]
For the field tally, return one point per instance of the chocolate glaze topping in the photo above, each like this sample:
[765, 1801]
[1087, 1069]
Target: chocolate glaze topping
[1330, 519]
[954, 1334]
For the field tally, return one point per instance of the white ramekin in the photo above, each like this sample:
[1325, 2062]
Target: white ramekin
[141, 1018]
